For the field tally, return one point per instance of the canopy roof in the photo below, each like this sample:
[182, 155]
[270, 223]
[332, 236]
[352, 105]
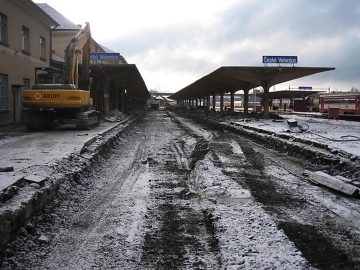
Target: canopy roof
[126, 74]
[233, 78]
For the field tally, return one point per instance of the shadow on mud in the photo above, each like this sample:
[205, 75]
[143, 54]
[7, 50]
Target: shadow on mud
[179, 235]
[316, 248]
[313, 244]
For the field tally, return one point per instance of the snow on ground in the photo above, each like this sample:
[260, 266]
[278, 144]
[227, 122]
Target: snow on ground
[337, 134]
[22, 150]
[249, 238]
[196, 129]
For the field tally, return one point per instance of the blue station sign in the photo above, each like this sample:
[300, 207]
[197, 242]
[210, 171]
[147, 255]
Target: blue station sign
[279, 59]
[305, 87]
[105, 56]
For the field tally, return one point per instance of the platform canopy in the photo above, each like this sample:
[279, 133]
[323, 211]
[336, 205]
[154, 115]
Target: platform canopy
[233, 78]
[127, 75]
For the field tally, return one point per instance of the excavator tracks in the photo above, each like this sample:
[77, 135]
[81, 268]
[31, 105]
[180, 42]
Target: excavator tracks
[87, 120]
[39, 121]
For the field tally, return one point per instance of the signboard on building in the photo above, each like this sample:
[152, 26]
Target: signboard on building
[305, 88]
[105, 56]
[279, 59]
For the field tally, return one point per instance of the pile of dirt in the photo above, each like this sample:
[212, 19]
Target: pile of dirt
[115, 116]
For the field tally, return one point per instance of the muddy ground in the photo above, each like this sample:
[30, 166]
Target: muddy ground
[174, 193]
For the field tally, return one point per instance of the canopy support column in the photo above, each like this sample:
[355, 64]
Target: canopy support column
[122, 99]
[246, 101]
[266, 100]
[232, 101]
[208, 102]
[106, 97]
[214, 102]
[221, 102]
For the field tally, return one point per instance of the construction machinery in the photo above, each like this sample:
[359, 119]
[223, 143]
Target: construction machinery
[167, 103]
[57, 97]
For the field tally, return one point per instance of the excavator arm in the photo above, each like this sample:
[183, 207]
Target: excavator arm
[167, 103]
[79, 42]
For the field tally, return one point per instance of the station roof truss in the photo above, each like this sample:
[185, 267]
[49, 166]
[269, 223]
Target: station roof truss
[128, 76]
[234, 78]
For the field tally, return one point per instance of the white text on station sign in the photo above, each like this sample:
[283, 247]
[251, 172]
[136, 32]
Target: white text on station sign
[105, 56]
[280, 59]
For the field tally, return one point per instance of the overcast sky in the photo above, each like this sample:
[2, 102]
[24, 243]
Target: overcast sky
[175, 42]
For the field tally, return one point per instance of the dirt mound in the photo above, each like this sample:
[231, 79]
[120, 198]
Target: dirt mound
[115, 116]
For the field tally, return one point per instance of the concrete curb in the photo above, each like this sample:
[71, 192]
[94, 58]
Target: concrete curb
[15, 212]
[332, 183]
[295, 147]
[314, 153]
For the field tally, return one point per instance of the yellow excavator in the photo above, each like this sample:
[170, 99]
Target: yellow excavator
[167, 103]
[49, 101]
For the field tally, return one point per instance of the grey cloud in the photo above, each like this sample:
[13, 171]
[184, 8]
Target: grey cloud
[305, 18]
[273, 26]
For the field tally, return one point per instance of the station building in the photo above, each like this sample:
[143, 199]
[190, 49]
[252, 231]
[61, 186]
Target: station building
[25, 43]
[36, 35]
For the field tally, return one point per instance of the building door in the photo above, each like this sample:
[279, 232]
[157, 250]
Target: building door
[17, 102]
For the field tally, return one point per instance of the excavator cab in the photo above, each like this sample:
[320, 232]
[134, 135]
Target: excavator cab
[48, 75]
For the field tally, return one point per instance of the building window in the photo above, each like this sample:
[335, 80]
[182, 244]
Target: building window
[3, 92]
[3, 26]
[42, 48]
[26, 82]
[25, 39]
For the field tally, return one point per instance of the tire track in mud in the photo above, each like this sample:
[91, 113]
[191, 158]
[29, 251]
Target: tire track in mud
[91, 230]
[317, 236]
[87, 222]
[317, 241]
[220, 179]
[180, 234]
[133, 210]
[153, 219]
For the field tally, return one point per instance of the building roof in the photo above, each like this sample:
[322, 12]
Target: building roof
[29, 4]
[107, 50]
[64, 23]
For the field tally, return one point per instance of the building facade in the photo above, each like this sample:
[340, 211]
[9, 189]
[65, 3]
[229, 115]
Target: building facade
[36, 35]
[25, 43]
